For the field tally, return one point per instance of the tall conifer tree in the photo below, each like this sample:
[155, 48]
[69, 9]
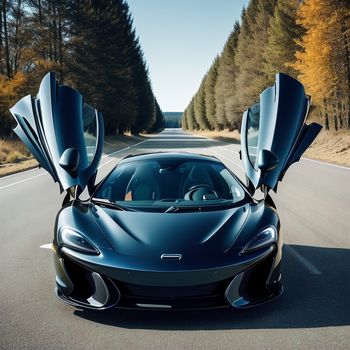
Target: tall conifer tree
[283, 34]
[251, 78]
[225, 88]
[209, 89]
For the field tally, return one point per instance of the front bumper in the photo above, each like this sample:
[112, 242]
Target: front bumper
[96, 282]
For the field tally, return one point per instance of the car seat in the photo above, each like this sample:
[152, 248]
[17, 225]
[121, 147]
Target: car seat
[142, 185]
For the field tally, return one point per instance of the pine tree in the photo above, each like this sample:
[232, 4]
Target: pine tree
[199, 107]
[146, 112]
[91, 44]
[225, 88]
[104, 51]
[282, 36]
[49, 29]
[209, 91]
[6, 64]
[184, 123]
[251, 78]
[15, 33]
[191, 121]
[159, 122]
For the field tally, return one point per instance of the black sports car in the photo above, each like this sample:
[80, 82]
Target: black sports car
[165, 230]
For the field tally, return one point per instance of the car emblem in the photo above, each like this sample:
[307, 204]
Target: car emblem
[171, 256]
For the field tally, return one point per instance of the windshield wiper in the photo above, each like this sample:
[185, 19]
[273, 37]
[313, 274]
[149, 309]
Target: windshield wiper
[171, 210]
[177, 209]
[109, 204]
[174, 209]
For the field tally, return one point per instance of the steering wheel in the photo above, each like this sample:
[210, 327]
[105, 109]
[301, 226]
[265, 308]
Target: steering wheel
[199, 191]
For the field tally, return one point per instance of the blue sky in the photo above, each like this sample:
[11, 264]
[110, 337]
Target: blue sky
[180, 39]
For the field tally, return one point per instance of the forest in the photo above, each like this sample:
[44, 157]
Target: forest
[91, 45]
[309, 40]
[172, 119]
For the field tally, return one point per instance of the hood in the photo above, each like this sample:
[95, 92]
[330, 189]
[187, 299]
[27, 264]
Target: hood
[153, 234]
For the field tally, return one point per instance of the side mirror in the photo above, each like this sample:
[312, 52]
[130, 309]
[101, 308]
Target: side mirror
[70, 161]
[267, 160]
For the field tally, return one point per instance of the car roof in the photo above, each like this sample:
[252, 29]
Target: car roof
[168, 155]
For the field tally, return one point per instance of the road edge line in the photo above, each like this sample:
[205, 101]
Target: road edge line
[303, 158]
[45, 172]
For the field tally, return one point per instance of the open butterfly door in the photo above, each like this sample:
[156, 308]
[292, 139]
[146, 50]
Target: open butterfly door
[63, 133]
[274, 134]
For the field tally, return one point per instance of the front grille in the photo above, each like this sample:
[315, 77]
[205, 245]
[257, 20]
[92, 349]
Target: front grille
[170, 292]
[201, 296]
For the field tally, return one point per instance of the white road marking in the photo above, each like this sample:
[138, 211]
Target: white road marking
[197, 139]
[19, 173]
[45, 173]
[308, 265]
[46, 246]
[20, 181]
[325, 163]
[123, 149]
[136, 144]
[226, 149]
[229, 160]
[303, 158]
[105, 163]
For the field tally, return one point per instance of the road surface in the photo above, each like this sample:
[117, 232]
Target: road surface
[313, 313]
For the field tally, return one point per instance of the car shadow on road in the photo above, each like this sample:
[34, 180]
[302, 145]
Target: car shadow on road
[311, 299]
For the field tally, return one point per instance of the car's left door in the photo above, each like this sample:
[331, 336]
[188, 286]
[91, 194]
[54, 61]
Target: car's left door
[62, 132]
[274, 134]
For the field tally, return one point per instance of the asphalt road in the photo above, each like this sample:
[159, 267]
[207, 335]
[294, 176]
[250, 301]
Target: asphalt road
[313, 313]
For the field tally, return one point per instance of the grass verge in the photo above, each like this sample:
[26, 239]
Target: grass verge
[15, 158]
[329, 146]
[12, 151]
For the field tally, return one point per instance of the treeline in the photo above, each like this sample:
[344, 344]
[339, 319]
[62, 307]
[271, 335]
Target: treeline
[172, 119]
[92, 46]
[309, 40]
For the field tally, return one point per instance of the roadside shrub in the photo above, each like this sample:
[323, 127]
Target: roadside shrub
[14, 157]
[12, 151]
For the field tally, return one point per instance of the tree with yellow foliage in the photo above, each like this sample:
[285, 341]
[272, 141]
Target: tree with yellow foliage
[11, 90]
[323, 60]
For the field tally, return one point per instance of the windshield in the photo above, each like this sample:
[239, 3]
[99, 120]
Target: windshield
[171, 184]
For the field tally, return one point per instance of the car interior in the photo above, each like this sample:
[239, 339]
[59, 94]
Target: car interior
[152, 181]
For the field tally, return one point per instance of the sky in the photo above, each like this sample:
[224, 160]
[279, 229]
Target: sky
[180, 39]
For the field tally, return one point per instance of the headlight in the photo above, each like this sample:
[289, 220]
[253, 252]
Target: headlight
[264, 238]
[75, 240]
